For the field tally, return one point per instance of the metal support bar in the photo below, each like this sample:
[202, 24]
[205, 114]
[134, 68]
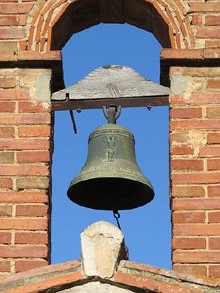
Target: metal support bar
[148, 101]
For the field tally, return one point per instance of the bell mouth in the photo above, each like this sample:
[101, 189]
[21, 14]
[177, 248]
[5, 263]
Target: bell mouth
[110, 193]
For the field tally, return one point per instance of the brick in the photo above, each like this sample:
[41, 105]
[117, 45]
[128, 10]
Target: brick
[7, 106]
[5, 266]
[210, 53]
[8, 47]
[6, 157]
[32, 210]
[9, 20]
[54, 271]
[213, 190]
[23, 251]
[196, 229]
[14, 94]
[195, 204]
[214, 217]
[213, 138]
[189, 165]
[179, 138]
[34, 107]
[192, 269]
[189, 243]
[188, 191]
[6, 183]
[186, 113]
[25, 118]
[209, 151]
[167, 53]
[212, 44]
[194, 124]
[5, 210]
[208, 33]
[212, 20]
[6, 57]
[214, 243]
[195, 178]
[5, 237]
[22, 20]
[7, 132]
[196, 99]
[31, 238]
[12, 33]
[11, 8]
[133, 281]
[33, 156]
[188, 217]
[24, 170]
[207, 98]
[181, 150]
[34, 131]
[214, 271]
[23, 224]
[195, 72]
[24, 197]
[24, 144]
[195, 257]
[213, 112]
[54, 55]
[33, 182]
[213, 83]
[25, 265]
[149, 284]
[204, 7]
[213, 164]
[7, 82]
[176, 100]
[45, 285]
[197, 19]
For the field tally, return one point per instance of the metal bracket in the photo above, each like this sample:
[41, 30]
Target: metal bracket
[112, 113]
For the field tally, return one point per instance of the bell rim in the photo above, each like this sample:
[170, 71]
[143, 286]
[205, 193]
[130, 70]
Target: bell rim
[82, 199]
[100, 174]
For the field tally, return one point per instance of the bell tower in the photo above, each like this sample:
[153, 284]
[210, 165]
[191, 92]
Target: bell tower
[32, 33]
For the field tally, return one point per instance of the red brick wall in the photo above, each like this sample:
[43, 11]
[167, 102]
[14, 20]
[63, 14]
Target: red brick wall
[205, 21]
[195, 169]
[25, 126]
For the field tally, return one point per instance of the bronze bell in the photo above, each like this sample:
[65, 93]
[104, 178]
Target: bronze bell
[111, 178]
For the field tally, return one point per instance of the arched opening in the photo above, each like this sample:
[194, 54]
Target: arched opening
[81, 15]
[56, 21]
[146, 229]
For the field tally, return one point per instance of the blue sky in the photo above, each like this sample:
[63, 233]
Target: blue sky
[146, 229]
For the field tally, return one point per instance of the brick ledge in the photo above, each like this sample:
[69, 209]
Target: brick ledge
[190, 54]
[31, 56]
[128, 275]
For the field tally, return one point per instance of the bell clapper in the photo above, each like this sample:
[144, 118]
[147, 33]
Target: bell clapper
[73, 121]
[117, 217]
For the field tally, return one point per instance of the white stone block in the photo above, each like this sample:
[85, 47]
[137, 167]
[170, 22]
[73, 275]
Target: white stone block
[101, 244]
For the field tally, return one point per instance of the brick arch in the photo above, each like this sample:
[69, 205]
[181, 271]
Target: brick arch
[55, 22]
